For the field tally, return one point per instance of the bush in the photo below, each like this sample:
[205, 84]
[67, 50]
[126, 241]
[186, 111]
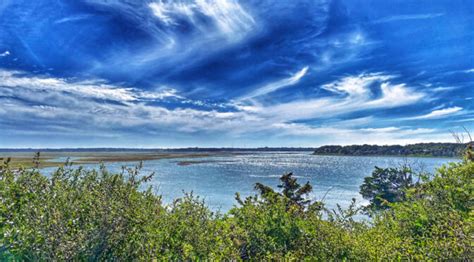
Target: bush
[386, 186]
[78, 214]
[191, 231]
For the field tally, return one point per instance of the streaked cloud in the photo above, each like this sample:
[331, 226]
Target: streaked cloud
[355, 93]
[396, 95]
[195, 72]
[226, 15]
[274, 86]
[160, 11]
[6, 53]
[90, 89]
[103, 106]
[133, 102]
[439, 113]
[74, 18]
[408, 17]
[381, 136]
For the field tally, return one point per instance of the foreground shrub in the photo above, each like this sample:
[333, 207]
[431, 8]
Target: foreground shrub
[76, 214]
[192, 231]
[386, 185]
[79, 214]
[273, 225]
[433, 223]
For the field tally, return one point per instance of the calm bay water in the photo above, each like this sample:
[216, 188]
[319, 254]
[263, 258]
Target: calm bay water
[217, 179]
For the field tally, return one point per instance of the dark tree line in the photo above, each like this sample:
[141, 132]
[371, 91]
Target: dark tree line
[422, 149]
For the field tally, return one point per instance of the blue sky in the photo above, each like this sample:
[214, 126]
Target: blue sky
[156, 73]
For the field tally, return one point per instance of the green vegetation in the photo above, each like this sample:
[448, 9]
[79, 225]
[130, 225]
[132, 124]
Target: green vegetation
[387, 185]
[95, 215]
[50, 159]
[422, 149]
[25, 161]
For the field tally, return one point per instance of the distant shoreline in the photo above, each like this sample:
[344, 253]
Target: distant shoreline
[398, 156]
[154, 150]
[453, 150]
[57, 157]
[231, 149]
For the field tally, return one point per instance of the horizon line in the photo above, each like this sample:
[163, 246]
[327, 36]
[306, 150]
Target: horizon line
[197, 147]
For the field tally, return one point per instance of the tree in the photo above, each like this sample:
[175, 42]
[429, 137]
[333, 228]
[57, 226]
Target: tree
[386, 185]
[291, 189]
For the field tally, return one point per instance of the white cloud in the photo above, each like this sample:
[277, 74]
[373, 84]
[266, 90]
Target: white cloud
[90, 89]
[407, 17]
[72, 18]
[395, 95]
[274, 86]
[355, 86]
[443, 88]
[227, 16]
[349, 136]
[160, 11]
[160, 94]
[81, 104]
[211, 25]
[4, 54]
[355, 94]
[440, 113]
[471, 120]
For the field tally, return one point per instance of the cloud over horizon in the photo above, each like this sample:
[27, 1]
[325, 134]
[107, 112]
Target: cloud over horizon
[227, 72]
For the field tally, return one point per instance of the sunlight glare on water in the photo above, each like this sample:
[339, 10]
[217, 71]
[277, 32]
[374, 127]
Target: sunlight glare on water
[217, 179]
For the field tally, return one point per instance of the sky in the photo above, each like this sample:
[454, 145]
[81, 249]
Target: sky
[228, 73]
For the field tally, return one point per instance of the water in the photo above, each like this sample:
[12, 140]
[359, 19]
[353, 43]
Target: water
[217, 179]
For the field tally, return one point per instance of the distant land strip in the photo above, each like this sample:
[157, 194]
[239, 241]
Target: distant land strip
[160, 150]
[420, 149]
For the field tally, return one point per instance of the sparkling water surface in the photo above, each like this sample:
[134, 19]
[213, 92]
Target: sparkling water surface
[336, 179]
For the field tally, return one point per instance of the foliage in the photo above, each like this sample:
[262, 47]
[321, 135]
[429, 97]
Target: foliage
[76, 214]
[291, 190]
[386, 185]
[79, 214]
[433, 223]
[422, 149]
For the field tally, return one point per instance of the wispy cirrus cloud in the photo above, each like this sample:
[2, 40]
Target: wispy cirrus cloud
[407, 17]
[274, 86]
[226, 15]
[350, 136]
[14, 81]
[4, 54]
[111, 107]
[176, 33]
[355, 85]
[201, 70]
[439, 113]
[354, 93]
[74, 18]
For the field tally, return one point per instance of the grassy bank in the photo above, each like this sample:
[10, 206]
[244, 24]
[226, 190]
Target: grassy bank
[56, 159]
